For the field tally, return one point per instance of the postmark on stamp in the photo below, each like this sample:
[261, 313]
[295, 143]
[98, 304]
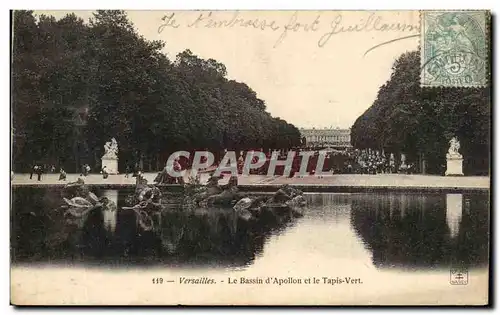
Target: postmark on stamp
[454, 48]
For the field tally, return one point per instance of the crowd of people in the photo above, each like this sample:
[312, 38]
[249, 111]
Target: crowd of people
[40, 169]
[377, 162]
[341, 162]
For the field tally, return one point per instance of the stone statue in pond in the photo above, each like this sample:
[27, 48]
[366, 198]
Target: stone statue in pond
[453, 150]
[111, 149]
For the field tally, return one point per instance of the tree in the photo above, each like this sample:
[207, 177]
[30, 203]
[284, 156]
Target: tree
[76, 85]
[406, 118]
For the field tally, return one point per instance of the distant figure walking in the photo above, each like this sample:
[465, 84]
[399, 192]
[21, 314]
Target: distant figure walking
[39, 172]
[104, 172]
[137, 170]
[85, 170]
[62, 174]
[33, 170]
[127, 170]
[53, 168]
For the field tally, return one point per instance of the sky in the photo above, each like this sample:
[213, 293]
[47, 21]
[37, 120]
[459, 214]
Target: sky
[312, 68]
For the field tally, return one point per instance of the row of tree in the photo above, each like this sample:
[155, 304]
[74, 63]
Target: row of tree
[75, 85]
[420, 122]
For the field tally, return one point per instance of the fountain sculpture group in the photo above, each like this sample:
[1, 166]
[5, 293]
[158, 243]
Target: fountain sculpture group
[146, 201]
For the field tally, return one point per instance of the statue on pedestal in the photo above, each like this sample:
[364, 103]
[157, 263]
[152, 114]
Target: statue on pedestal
[453, 150]
[110, 157]
[111, 149]
[403, 167]
[392, 163]
[454, 160]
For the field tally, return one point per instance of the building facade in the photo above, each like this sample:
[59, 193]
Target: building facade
[327, 137]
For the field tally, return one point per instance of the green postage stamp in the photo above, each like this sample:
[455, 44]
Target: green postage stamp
[454, 48]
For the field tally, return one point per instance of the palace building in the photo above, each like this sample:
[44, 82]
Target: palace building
[327, 137]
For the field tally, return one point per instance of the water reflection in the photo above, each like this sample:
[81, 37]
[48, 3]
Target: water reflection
[454, 213]
[415, 231]
[330, 208]
[110, 215]
[212, 236]
[396, 230]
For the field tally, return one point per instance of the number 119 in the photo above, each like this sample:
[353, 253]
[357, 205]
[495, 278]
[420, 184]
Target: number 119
[157, 280]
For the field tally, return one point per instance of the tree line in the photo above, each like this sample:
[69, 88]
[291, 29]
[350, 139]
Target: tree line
[77, 84]
[420, 122]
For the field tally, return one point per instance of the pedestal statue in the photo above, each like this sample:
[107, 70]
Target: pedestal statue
[403, 161]
[454, 160]
[392, 163]
[110, 157]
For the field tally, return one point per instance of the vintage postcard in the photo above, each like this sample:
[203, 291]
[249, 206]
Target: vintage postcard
[250, 158]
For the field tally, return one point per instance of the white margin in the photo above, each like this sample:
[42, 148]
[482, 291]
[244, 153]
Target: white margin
[184, 5]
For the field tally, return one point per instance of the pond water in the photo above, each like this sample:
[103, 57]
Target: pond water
[385, 231]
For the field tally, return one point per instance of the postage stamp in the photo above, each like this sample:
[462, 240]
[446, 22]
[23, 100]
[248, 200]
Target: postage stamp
[453, 48]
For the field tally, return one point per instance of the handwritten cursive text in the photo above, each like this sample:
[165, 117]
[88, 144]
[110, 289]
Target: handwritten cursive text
[372, 22]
